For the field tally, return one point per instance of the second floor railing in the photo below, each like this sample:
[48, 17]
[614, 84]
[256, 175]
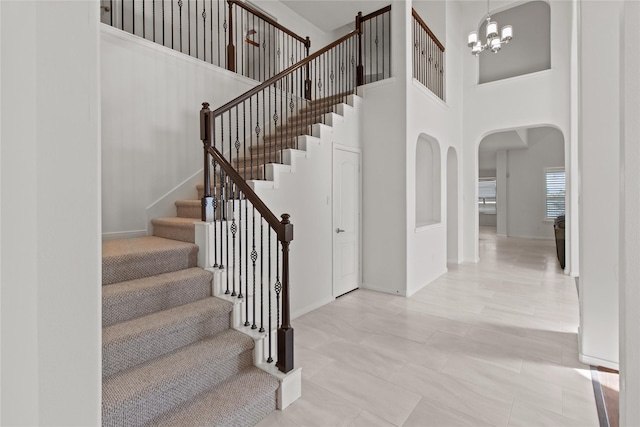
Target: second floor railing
[428, 57]
[226, 33]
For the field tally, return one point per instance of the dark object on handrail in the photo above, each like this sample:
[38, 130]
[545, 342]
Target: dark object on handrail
[558, 227]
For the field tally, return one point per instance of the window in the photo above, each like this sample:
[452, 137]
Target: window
[554, 188]
[487, 196]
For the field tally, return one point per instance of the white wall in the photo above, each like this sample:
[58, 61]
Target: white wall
[526, 183]
[630, 222]
[538, 99]
[599, 162]
[151, 98]
[434, 14]
[50, 196]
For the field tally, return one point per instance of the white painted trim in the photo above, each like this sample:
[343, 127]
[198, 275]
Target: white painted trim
[422, 228]
[594, 361]
[514, 78]
[426, 91]
[124, 235]
[311, 307]
[165, 206]
[383, 290]
[347, 148]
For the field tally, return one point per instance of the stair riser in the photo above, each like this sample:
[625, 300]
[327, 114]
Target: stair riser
[158, 400]
[146, 300]
[136, 266]
[175, 232]
[120, 355]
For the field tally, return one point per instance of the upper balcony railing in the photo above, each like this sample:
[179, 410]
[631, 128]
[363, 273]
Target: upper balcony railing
[226, 33]
[428, 57]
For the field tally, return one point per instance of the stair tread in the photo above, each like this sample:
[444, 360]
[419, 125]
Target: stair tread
[187, 313]
[222, 405]
[135, 298]
[130, 259]
[175, 221]
[179, 368]
[134, 341]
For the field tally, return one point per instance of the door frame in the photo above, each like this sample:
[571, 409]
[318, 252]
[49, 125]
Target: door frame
[357, 151]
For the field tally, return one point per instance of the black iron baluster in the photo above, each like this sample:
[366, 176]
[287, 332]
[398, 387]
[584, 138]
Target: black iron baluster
[163, 25]
[211, 29]
[153, 13]
[234, 230]
[277, 286]
[172, 22]
[122, 15]
[269, 358]
[143, 22]
[180, 13]
[254, 258]
[189, 26]
[204, 32]
[261, 275]
[133, 18]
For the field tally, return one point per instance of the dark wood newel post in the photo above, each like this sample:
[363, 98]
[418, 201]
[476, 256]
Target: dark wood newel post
[307, 81]
[285, 332]
[360, 67]
[231, 50]
[206, 205]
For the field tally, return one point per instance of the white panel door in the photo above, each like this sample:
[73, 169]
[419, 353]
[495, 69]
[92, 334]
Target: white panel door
[346, 221]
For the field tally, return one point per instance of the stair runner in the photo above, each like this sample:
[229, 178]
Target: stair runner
[169, 355]
[181, 226]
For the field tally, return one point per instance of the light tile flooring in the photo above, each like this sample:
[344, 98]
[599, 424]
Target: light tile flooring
[493, 343]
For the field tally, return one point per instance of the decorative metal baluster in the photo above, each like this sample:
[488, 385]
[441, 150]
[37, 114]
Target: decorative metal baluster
[216, 194]
[234, 230]
[277, 286]
[180, 22]
[189, 26]
[269, 332]
[204, 32]
[254, 258]
[122, 15]
[153, 8]
[143, 22]
[261, 275]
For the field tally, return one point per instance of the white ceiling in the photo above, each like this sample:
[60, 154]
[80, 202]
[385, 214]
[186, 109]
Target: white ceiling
[329, 15]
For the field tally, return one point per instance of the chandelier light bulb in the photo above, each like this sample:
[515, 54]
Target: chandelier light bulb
[495, 45]
[492, 29]
[507, 33]
[473, 39]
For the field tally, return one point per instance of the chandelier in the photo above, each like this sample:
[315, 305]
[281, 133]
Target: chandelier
[493, 41]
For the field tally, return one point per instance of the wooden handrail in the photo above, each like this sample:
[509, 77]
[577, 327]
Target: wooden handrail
[426, 28]
[281, 74]
[264, 17]
[376, 13]
[285, 234]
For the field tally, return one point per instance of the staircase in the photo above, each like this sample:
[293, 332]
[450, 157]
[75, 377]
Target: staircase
[170, 356]
[181, 227]
[170, 353]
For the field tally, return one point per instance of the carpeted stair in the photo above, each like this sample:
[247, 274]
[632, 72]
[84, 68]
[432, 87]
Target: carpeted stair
[269, 150]
[169, 354]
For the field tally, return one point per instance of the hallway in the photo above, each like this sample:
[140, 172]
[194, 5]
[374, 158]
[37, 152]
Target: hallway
[493, 343]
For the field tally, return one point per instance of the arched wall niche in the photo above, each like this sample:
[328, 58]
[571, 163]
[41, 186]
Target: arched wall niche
[428, 181]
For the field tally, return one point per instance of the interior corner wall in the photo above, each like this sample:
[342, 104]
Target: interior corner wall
[630, 222]
[599, 162]
[51, 263]
[384, 190]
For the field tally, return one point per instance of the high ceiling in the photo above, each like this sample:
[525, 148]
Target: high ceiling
[329, 15]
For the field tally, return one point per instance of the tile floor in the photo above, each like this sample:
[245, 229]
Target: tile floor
[493, 343]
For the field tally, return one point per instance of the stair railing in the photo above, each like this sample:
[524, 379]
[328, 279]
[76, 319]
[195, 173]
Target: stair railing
[428, 57]
[245, 135]
[226, 33]
[259, 47]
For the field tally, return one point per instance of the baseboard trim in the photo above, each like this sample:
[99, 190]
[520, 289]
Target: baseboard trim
[595, 361]
[383, 290]
[124, 235]
[311, 307]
